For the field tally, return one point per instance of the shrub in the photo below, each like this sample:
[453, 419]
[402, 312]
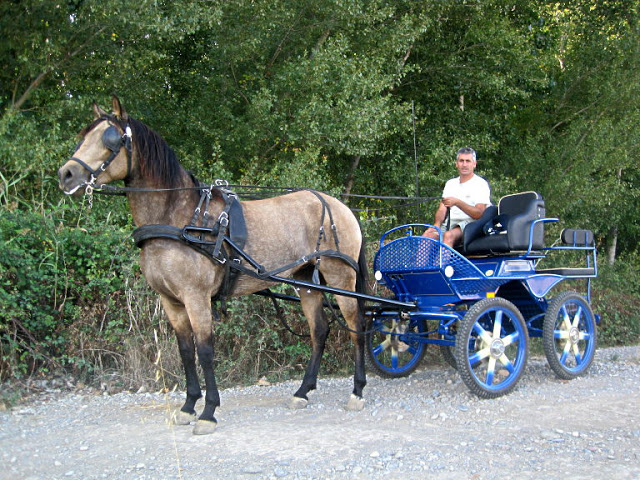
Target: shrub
[616, 298]
[53, 279]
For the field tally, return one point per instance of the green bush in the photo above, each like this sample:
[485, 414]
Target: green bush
[616, 298]
[74, 299]
[52, 278]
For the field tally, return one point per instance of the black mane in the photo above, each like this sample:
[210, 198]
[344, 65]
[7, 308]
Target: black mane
[158, 161]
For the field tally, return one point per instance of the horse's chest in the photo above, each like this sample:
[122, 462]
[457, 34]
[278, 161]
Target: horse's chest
[176, 272]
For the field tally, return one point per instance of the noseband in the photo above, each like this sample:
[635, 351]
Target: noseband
[113, 141]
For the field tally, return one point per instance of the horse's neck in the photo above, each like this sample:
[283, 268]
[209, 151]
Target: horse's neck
[163, 207]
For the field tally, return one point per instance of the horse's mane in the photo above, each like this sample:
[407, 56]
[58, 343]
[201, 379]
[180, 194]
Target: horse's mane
[158, 161]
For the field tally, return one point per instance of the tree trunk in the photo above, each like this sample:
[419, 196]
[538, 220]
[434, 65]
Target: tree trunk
[348, 185]
[611, 245]
[612, 239]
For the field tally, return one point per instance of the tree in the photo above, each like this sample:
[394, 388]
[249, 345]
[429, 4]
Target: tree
[584, 133]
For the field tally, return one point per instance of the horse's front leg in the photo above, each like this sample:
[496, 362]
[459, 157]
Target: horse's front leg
[179, 321]
[199, 311]
[195, 336]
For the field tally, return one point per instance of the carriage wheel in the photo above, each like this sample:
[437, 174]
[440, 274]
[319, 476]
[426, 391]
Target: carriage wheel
[492, 347]
[392, 355]
[569, 335]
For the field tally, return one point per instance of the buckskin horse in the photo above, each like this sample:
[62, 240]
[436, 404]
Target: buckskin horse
[186, 253]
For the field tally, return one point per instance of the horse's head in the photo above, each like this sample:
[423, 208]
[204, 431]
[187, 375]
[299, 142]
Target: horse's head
[103, 155]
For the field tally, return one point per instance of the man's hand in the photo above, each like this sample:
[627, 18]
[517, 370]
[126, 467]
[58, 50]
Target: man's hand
[450, 202]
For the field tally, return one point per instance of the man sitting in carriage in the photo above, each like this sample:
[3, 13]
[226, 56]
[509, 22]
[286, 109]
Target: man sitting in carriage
[464, 198]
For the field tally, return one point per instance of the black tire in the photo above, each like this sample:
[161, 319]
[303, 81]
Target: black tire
[492, 347]
[391, 356]
[569, 335]
[449, 355]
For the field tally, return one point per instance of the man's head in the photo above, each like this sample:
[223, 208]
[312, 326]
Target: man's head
[466, 162]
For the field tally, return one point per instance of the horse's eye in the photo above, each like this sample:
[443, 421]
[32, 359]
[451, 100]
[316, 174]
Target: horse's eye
[112, 139]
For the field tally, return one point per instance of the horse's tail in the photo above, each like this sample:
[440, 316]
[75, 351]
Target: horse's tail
[362, 278]
[362, 283]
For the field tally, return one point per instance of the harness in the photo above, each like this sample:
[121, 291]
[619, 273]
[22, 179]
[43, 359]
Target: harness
[223, 242]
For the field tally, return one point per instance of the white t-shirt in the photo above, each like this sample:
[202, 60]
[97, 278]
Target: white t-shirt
[473, 191]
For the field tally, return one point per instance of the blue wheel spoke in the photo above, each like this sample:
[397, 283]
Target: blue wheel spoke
[565, 354]
[510, 339]
[577, 355]
[497, 324]
[380, 348]
[491, 368]
[482, 333]
[394, 359]
[478, 357]
[508, 364]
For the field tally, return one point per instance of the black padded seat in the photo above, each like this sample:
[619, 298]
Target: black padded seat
[516, 213]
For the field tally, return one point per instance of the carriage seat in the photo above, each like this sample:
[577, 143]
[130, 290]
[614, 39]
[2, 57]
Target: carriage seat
[572, 238]
[506, 228]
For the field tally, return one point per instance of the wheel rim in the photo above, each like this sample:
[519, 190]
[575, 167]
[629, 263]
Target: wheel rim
[574, 335]
[393, 353]
[497, 351]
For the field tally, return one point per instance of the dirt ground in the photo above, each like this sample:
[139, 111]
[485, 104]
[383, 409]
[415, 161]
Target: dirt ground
[424, 426]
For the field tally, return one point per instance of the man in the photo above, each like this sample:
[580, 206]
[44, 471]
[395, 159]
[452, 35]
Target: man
[466, 196]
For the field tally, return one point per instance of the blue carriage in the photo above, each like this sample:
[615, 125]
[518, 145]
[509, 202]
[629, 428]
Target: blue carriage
[482, 302]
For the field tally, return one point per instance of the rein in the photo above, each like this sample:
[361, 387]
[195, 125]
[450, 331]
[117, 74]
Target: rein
[105, 189]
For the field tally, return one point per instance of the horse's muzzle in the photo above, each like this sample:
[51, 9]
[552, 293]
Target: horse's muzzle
[72, 177]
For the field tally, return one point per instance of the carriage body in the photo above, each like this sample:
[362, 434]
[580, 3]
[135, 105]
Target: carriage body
[482, 308]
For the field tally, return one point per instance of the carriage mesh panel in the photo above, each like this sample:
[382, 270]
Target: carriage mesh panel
[416, 254]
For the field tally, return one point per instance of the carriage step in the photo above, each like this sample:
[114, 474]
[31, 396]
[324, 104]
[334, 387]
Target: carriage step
[569, 272]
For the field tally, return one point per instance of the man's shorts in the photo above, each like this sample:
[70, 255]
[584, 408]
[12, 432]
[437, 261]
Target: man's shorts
[462, 224]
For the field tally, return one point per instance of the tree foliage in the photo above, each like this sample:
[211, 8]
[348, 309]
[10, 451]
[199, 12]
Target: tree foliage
[321, 94]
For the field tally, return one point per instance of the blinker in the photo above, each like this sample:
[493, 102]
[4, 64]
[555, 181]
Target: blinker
[112, 139]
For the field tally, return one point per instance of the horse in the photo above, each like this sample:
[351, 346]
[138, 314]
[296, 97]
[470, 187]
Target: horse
[291, 230]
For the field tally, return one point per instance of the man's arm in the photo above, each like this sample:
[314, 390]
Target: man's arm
[441, 214]
[474, 212]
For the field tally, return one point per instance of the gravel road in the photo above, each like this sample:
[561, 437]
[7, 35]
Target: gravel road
[425, 426]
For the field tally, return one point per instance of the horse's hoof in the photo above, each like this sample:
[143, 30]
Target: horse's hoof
[298, 403]
[179, 417]
[205, 427]
[355, 403]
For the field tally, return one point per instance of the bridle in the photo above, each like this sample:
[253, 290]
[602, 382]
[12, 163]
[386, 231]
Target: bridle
[113, 141]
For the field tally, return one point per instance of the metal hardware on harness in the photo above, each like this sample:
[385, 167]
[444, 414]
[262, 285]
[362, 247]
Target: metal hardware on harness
[88, 191]
[223, 219]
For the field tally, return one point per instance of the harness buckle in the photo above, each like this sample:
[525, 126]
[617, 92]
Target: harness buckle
[223, 219]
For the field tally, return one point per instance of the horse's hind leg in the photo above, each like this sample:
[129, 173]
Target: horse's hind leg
[355, 321]
[346, 280]
[319, 329]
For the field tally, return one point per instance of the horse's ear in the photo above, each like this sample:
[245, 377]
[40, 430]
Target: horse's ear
[118, 109]
[97, 111]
